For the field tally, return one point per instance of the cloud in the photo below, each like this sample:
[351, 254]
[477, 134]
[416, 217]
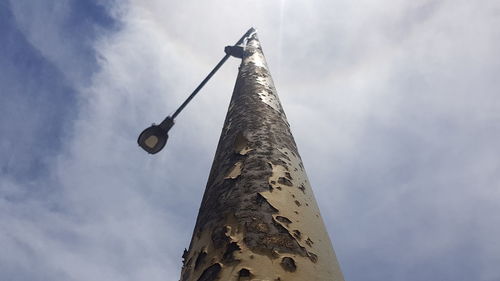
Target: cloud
[392, 104]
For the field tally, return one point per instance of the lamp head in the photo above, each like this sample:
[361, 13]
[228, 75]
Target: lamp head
[154, 138]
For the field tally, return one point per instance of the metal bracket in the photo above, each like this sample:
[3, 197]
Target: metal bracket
[235, 51]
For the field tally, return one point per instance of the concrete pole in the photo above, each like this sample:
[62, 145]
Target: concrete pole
[258, 219]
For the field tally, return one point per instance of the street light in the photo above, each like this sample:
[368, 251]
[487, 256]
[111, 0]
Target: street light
[154, 138]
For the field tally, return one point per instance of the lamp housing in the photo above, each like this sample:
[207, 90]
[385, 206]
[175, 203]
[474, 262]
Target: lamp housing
[154, 138]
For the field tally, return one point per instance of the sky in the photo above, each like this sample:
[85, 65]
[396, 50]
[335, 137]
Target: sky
[394, 105]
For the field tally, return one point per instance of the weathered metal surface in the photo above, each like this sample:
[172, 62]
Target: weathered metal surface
[258, 219]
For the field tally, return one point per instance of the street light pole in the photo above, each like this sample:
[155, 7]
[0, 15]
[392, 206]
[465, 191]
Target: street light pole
[258, 218]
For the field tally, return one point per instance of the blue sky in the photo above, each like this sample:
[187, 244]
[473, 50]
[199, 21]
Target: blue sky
[394, 106]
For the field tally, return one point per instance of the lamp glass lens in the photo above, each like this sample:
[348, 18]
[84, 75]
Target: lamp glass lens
[151, 141]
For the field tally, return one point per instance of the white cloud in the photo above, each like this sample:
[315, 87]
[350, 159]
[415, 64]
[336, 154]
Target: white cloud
[392, 104]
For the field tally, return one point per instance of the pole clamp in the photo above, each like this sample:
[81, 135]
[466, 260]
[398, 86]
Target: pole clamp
[235, 51]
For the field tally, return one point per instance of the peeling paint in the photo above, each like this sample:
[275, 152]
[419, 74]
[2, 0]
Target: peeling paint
[248, 226]
[241, 145]
[235, 171]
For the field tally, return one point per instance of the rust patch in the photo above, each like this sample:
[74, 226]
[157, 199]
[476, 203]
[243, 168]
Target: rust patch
[288, 264]
[220, 237]
[228, 256]
[200, 259]
[285, 181]
[313, 257]
[261, 201]
[211, 273]
[241, 144]
[258, 226]
[309, 242]
[244, 274]
[185, 256]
